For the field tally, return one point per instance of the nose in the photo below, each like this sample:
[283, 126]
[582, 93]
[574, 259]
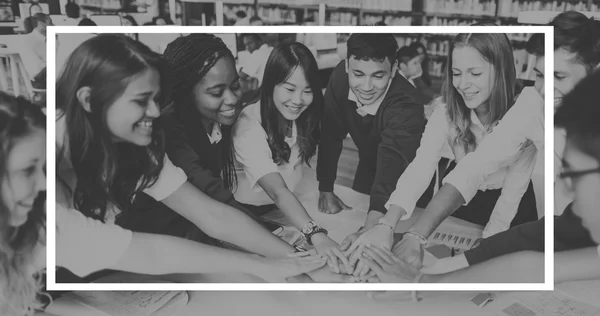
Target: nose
[367, 84]
[40, 182]
[153, 109]
[297, 98]
[230, 98]
[464, 82]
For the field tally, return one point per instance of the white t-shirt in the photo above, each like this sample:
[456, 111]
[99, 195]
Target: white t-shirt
[169, 179]
[253, 158]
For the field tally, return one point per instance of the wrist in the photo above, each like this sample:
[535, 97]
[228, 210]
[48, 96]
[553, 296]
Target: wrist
[318, 238]
[372, 219]
[395, 213]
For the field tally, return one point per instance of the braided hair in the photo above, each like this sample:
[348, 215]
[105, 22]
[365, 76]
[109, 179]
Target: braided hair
[190, 58]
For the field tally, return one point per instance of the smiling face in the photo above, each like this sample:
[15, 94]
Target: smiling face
[567, 73]
[25, 176]
[218, 93]
[130, 117]
[472, 76]
[412, 69]
[368, 80]
[293, 96]
[585, 188]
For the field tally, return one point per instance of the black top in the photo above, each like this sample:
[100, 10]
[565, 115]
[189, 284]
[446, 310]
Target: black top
[386, 142]
[189, 148]
[569, 234]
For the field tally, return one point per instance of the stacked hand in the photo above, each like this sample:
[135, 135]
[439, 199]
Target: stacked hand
[380, 235]
[280, 269]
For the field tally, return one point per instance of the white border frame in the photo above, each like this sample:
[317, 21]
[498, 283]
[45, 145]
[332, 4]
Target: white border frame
[548, 285]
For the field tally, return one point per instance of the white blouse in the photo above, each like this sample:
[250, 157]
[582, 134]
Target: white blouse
[513, 179]
[169, 179]
[253, 158]
[85, 245]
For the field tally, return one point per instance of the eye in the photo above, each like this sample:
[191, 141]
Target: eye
[455, 75]
[378, 76]
[142, 102]
[308, 91]
[358, 75]
[218, 94]
[236, 86]
[559, 77]
[289, 89]
[29, 171]
[476, 74]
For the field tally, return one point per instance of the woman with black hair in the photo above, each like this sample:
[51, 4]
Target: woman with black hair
[276, 136]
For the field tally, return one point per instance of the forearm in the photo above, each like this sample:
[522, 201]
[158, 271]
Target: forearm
[498, 270]
[327, 162]
[289, 204]
[161, 254]
[574, 265]
[217, 220]
[392, 216]
[447, 200]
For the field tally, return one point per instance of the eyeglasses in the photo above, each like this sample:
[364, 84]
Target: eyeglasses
[568, 176]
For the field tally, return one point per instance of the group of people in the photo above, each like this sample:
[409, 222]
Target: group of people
[161, 168]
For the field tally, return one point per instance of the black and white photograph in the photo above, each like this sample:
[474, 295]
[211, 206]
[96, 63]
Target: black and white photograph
[294, 158]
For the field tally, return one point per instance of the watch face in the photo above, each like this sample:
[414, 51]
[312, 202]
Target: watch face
[308, 228]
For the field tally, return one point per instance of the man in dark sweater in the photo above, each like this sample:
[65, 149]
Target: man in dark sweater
[368, 100]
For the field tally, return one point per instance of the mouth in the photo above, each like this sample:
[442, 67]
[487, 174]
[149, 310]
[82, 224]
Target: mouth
[366, 96]
[469, 95]
[294, 109]
[145, 125]
[228, 113]
[557, 102]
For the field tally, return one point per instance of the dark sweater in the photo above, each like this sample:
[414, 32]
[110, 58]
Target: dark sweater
[569, 234]
[189, 148]
[386, 142]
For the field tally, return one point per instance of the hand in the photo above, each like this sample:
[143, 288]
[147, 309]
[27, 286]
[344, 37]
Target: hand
[329, 248]
[388, 267]
[329, 203]
[379, 235]
[410, 250]
[324, 275]
[278, 270]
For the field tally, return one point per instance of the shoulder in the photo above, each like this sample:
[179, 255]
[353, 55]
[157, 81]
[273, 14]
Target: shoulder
[402, 96]
[248, 120]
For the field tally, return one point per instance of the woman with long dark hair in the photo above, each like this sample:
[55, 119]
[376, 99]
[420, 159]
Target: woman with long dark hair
[276, 136]
[110, 144]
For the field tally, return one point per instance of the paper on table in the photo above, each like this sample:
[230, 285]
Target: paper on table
[137, 303]
[586, 291]
[542, 303]
[455, 236]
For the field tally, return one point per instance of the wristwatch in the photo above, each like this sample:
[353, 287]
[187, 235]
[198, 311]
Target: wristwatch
[311, 228]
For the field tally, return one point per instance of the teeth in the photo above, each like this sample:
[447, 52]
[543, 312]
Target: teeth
[557, 101]
[145, 124]
[228, 112]
[470, 94]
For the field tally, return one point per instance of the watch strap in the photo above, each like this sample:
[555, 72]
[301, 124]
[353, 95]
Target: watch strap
[317, 230]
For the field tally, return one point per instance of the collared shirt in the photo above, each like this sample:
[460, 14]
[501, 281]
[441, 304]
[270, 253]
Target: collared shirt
[409, 80]
[216, 135]
[253, 158]
[370, 109]
[169, 179]
[33, 52]
[512, 178]
[523, 122]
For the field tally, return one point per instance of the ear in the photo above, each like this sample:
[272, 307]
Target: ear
[395, 68]
[83, 96]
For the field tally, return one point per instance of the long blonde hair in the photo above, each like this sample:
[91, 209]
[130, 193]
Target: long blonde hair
[495, 48]
[19, 282]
